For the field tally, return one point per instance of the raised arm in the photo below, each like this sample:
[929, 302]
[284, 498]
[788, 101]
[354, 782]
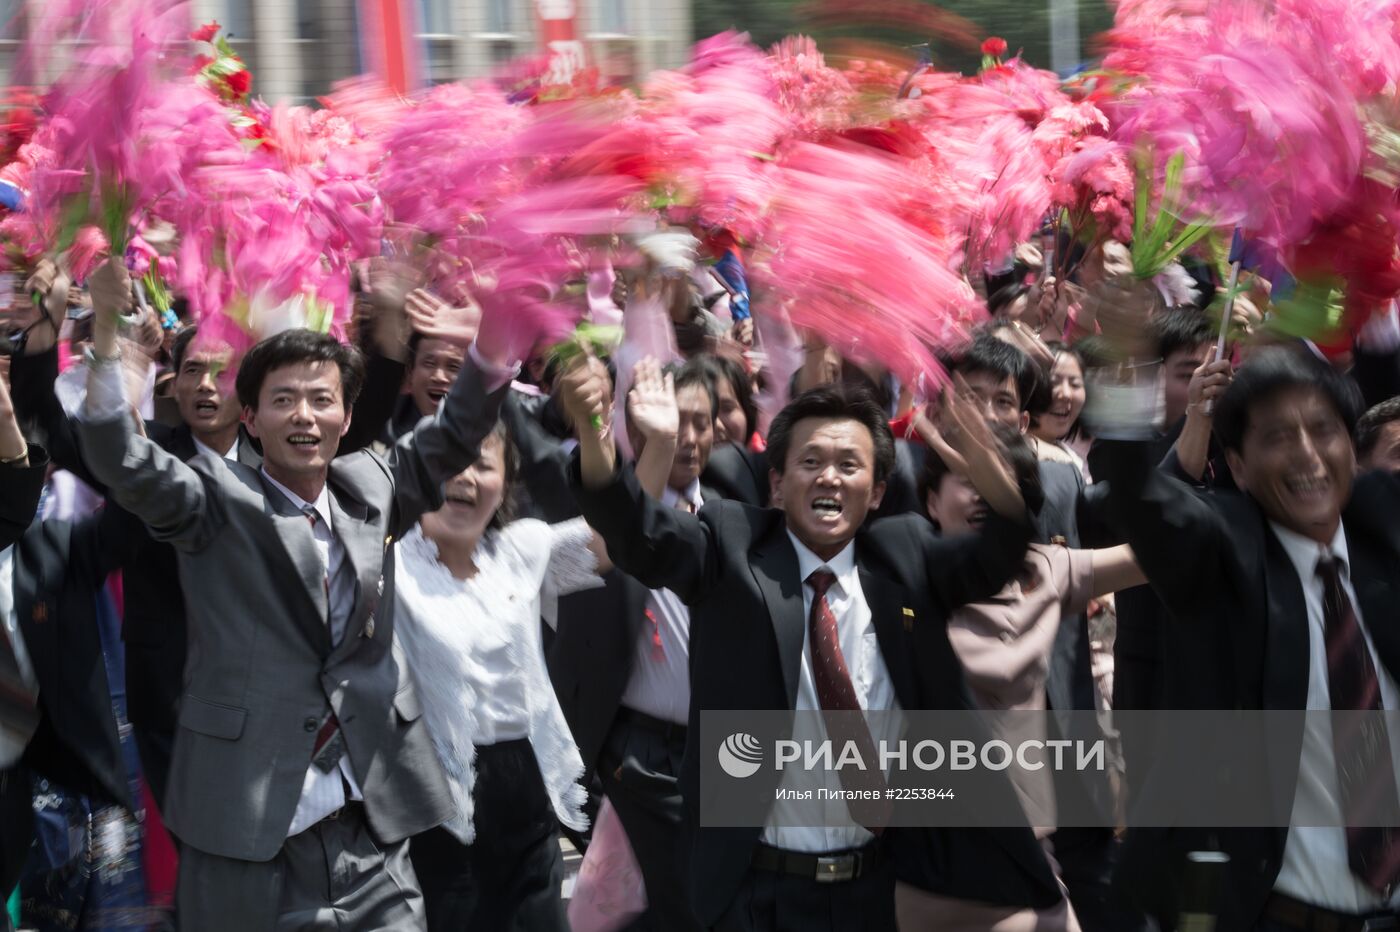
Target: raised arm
[663, 548]
[447, 442]
[167, 495]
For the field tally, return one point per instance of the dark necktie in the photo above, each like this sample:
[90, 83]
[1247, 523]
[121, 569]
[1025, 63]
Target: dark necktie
[330, 744]
[1365, 770]
[837, 693]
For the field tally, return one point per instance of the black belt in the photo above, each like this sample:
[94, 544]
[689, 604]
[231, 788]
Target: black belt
[833, 867]
[667, 730]
[1305, 917]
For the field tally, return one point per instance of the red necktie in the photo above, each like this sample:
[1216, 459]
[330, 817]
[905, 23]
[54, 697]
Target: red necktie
[837, 693]
[1365, 770]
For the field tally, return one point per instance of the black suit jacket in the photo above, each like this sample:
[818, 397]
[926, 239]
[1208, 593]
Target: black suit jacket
[58, 569]
[20, 487]
[1236, 638]
[591, 654]
[736, 569]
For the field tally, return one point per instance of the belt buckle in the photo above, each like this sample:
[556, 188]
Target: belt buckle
[836, 869]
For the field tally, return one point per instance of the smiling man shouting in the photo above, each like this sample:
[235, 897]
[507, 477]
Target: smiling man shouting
[804, 606]
[301, 763]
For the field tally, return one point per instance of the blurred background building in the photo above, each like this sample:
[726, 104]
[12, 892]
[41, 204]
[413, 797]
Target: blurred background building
[298, 48]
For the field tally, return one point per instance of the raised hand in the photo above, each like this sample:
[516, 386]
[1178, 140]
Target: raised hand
[437, 319]
[651, 403]
[967, 433]
[586, 394]
[1208, 383]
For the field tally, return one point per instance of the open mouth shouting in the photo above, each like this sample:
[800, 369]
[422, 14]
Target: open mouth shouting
[827, 508]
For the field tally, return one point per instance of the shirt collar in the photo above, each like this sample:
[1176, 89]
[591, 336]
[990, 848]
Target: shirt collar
[322, 503]
[231, 455]
[1304, 552]
[670, 496]
[842, 566]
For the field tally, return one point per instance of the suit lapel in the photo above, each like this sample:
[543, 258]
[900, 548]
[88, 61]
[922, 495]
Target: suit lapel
[295, 533]
[1286, 632]
[775, 570]
[888, 602]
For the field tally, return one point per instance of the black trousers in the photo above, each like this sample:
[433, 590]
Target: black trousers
[769, 901]
[511, 877]
[639, 765]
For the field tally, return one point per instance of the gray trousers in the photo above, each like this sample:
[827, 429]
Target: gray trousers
[333, 877]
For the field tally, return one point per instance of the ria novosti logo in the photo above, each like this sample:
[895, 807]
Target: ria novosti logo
[740, 755]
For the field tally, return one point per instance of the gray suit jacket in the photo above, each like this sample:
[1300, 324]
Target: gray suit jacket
[261, 671]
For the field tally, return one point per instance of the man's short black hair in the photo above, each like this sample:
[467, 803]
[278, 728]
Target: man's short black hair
[1368, 429]
[1025, 469]
[1001, 360]
[833, 401]
[180, 347]
[696, 372]
[1179, 330]
[1277, 369]
[291, 347]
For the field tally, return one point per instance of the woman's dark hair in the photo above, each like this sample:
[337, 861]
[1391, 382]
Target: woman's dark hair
[510, 467]
[731, 371]
[1044, 395]
[697, 371]
[1271, 371]
[292, 347]
[831, 402]
[1025, 468]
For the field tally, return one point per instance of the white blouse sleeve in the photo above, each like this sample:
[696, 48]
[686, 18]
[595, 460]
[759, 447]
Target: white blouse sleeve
[572, 566]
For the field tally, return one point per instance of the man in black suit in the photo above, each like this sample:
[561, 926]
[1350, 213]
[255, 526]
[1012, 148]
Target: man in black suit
[758, 581]
[619, 663]
[1284, 603]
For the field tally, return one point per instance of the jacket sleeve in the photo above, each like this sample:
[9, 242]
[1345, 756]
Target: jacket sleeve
[38, 409]
[374, 407]
[169, 496]
[442, 445]
[660, 547]
[20, 487]
[1177, 535]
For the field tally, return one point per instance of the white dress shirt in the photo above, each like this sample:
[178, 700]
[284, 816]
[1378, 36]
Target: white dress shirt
[1315, 868]
[324, 793]
[659, 686]
[231, 455]
[871, 678]
[12, 744]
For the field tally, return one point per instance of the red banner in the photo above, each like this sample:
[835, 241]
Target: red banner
[558, 21]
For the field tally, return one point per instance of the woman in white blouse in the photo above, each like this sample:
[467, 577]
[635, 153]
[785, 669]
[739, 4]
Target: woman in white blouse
[471, 588]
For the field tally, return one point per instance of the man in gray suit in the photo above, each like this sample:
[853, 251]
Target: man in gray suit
[300, 764]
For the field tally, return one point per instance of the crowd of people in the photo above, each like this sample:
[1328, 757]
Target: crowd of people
[353, 632]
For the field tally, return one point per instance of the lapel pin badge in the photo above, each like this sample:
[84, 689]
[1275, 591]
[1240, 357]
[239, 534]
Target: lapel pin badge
[908, 619]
